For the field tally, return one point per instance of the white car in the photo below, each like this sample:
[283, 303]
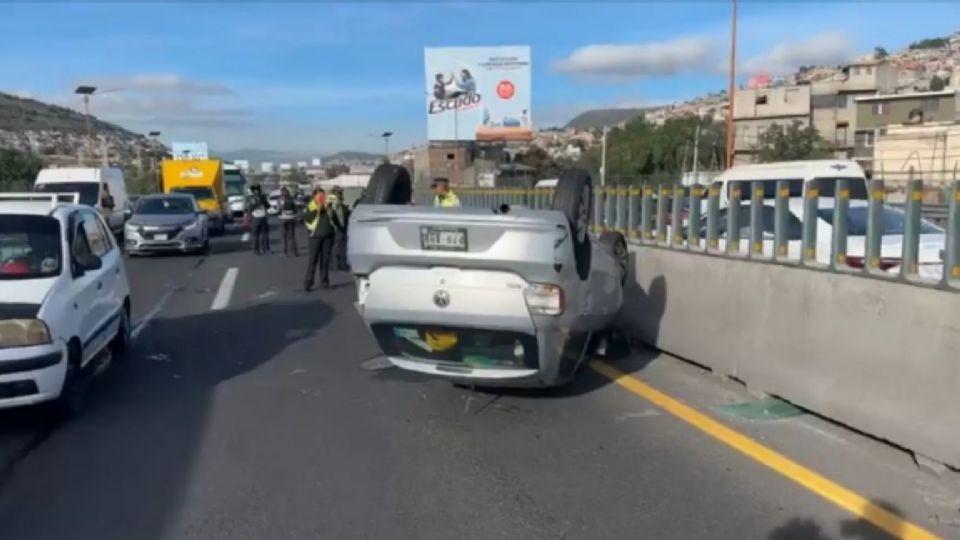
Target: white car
[274, 201]
[65, 308]
[932, 237]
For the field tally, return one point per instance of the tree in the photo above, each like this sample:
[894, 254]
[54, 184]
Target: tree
[937, 84]
[298, 176]
[334, 171]
[18, 169]
[880, 53]
[791, 143]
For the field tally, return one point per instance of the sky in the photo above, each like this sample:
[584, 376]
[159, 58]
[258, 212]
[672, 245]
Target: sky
[314, 78]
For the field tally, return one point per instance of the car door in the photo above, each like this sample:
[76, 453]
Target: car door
[114, 277]
[85, 290]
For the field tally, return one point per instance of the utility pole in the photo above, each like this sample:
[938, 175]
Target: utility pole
[696, 153]
[603, 158]
[386, 144]
[733, 77]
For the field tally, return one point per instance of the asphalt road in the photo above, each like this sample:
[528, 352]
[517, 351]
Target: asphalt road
[260, 421]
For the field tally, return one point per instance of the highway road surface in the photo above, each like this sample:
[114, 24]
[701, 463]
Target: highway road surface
[250, 409]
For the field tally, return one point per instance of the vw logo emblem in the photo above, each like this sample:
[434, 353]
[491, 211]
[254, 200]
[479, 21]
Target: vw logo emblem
[441, 299]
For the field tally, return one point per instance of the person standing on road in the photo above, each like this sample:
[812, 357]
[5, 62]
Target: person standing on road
[340, 216]
[320, 227]
[256, 209]
[288, 217]
[443, 196]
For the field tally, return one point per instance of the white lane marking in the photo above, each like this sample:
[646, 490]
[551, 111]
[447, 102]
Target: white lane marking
[245, 237]
[222, 299]
[140, 326]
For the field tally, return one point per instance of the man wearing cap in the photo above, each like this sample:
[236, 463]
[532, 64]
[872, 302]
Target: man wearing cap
[444, 198]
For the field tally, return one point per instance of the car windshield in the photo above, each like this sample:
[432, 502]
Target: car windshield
[30, 247]
[234, 184]
[199, 193]
[89, 191]
[164, 206]
[894, 221]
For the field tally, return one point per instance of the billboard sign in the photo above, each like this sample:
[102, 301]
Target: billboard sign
[478, 93]
[190, 150]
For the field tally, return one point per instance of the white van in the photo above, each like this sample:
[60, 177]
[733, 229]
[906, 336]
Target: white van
[100, 187]
[797, 174]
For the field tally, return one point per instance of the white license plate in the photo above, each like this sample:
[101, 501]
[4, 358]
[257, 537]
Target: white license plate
[443, 239]
[160, 237]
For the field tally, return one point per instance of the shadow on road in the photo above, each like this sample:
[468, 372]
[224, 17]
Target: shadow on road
[122, 469]
[860, 528]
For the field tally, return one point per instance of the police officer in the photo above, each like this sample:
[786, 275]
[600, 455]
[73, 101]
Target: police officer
[443, 196]
[256, 209]
[320, 228]
[340, 216]
[288, 217]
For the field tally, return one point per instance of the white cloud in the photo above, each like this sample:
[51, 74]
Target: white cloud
[827, 48]
[163, 83]
[641, 59]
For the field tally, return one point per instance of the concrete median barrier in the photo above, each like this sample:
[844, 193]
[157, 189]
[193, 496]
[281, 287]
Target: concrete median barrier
[880, 356]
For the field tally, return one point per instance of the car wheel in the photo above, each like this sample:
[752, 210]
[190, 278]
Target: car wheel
[389, 184]
[574, 197]
[615, 244]
[74, 389]
[121, 342]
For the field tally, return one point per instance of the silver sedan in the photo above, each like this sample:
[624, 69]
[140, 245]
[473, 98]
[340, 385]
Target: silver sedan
[166, 223]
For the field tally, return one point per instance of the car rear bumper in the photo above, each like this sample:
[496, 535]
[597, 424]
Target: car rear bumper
[31, 375]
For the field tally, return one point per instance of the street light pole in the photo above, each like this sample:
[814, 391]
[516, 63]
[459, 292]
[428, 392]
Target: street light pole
[732, 84]
[86, 92]
[386, 144]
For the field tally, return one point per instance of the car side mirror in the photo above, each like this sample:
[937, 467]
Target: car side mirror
[88, 262]
[128, 213]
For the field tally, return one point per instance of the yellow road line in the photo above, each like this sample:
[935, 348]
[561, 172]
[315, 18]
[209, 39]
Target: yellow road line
[815, 482]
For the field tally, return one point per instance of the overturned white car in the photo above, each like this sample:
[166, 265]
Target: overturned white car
[490, 297]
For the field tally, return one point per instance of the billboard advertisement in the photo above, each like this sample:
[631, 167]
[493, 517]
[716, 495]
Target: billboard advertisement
[478, 93]
[190, 150]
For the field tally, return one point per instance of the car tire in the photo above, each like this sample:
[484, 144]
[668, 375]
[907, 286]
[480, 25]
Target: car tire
[615, 244]
[574, 198]
[389, 184]
[120, 343]
[73, 392]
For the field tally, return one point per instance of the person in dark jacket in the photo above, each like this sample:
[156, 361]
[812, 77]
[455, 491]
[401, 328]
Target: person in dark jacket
[340, 215]
[288, 217]
[256, 209]
[320, 227]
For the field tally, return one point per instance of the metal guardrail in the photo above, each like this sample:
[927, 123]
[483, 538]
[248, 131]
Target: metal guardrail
[691, 219]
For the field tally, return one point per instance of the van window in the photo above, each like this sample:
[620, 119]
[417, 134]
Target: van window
[89, 191]
[858, 188]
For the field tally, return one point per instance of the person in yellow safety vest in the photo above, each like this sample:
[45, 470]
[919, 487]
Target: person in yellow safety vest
[320, 227]
[444, 198]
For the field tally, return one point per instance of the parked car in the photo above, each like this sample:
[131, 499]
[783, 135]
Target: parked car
[65, 311]
[932, 237]
[164, 223]
[505, 297]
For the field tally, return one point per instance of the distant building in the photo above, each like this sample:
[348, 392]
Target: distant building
[267, 167]
[302, 165]
[285, 167]
[316, 162]
[242, 164]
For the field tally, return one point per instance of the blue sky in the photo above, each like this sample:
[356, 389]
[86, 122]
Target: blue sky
[319, 77]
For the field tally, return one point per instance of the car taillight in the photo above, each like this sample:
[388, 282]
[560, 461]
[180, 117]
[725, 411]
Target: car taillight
[544, 299]
[885, 263]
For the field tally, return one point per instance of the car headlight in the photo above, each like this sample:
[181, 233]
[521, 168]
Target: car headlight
[192, 224]
[544, 299]
[23, 333]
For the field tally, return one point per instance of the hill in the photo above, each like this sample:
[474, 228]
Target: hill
[596, 119]
[348, 155]
[58, 134]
